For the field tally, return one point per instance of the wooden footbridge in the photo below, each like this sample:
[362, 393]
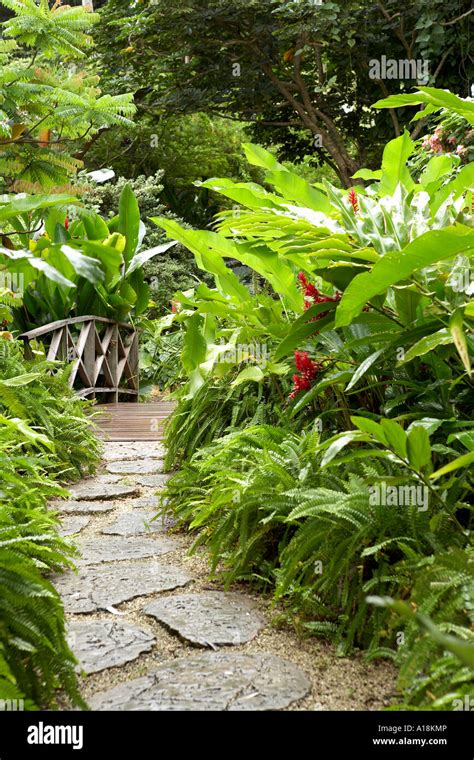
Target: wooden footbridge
[105, 368]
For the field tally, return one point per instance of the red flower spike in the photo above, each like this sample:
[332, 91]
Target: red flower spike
[66, 223]
[312, 295]
[353, 201]
[308, 370]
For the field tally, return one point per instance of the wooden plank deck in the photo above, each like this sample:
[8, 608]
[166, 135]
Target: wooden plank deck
[131, 421]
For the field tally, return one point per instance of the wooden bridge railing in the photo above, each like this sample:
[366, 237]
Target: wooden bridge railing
[104, 353]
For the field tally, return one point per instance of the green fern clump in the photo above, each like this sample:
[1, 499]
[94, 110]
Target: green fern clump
[267, 511]
[37, 391]
[45, 438]
[35, 659]
[237, 493]
[216, 409]
[443, 590]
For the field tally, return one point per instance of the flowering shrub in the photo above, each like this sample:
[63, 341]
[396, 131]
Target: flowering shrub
[440, 142]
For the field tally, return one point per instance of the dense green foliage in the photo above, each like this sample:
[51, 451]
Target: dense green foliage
[169, 270]
[45, 440]
[80, 264]
[347, 482]
[184, 150]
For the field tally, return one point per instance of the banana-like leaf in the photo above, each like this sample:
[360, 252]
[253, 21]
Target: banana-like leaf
[85, 266]
[207, 258]
[429, 248]
[248, 374]
[295, 188]
[394, 165]
[258, 156]
[459, 338]
[143, 256]
[433, 97]
[16, 205]
[129, 222]
[194, 345]
[425, 345]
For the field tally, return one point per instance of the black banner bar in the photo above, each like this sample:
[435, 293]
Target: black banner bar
[116, 734]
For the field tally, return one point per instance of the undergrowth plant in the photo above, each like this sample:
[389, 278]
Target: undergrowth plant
[45, 441]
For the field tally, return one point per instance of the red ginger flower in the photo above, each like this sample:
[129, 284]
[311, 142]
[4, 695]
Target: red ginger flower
[303, 363]
[308, 370]
[66, 223]
[312, 295]
[353, 201]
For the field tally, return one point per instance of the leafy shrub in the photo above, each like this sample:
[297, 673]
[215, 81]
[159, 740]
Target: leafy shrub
[371, 295]
[171, 270]
[160, 355]
[212, 411]
[45, 438]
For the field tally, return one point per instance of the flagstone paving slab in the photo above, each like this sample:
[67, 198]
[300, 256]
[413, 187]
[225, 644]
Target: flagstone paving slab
[100, 587]
[135, 467]
[152, 481]
[133, 450]
[137, 523]
[145, 501]
[85, 507]
[209, 620]
[88, 491]
[102, 644]
[73, 524]
[96, 550]
[211, 681]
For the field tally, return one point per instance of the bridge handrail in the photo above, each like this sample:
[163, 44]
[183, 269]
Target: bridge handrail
[106, 361]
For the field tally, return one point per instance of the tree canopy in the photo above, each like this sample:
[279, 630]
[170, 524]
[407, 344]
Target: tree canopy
[300, 71]
[49, 102]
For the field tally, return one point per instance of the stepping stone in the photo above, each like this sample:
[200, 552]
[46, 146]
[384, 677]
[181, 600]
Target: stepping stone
[104, 477]
[136, 467]
[208, 620]
[86, 507]
[102, 491]
[152, 481]
[99, 587]
[132, 450]
[95, 550]
[211, 681]
[101, 644]
[136, 523]
[145, 501]
[71, 525]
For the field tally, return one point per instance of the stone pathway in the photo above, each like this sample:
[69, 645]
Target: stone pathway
[151, 631]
